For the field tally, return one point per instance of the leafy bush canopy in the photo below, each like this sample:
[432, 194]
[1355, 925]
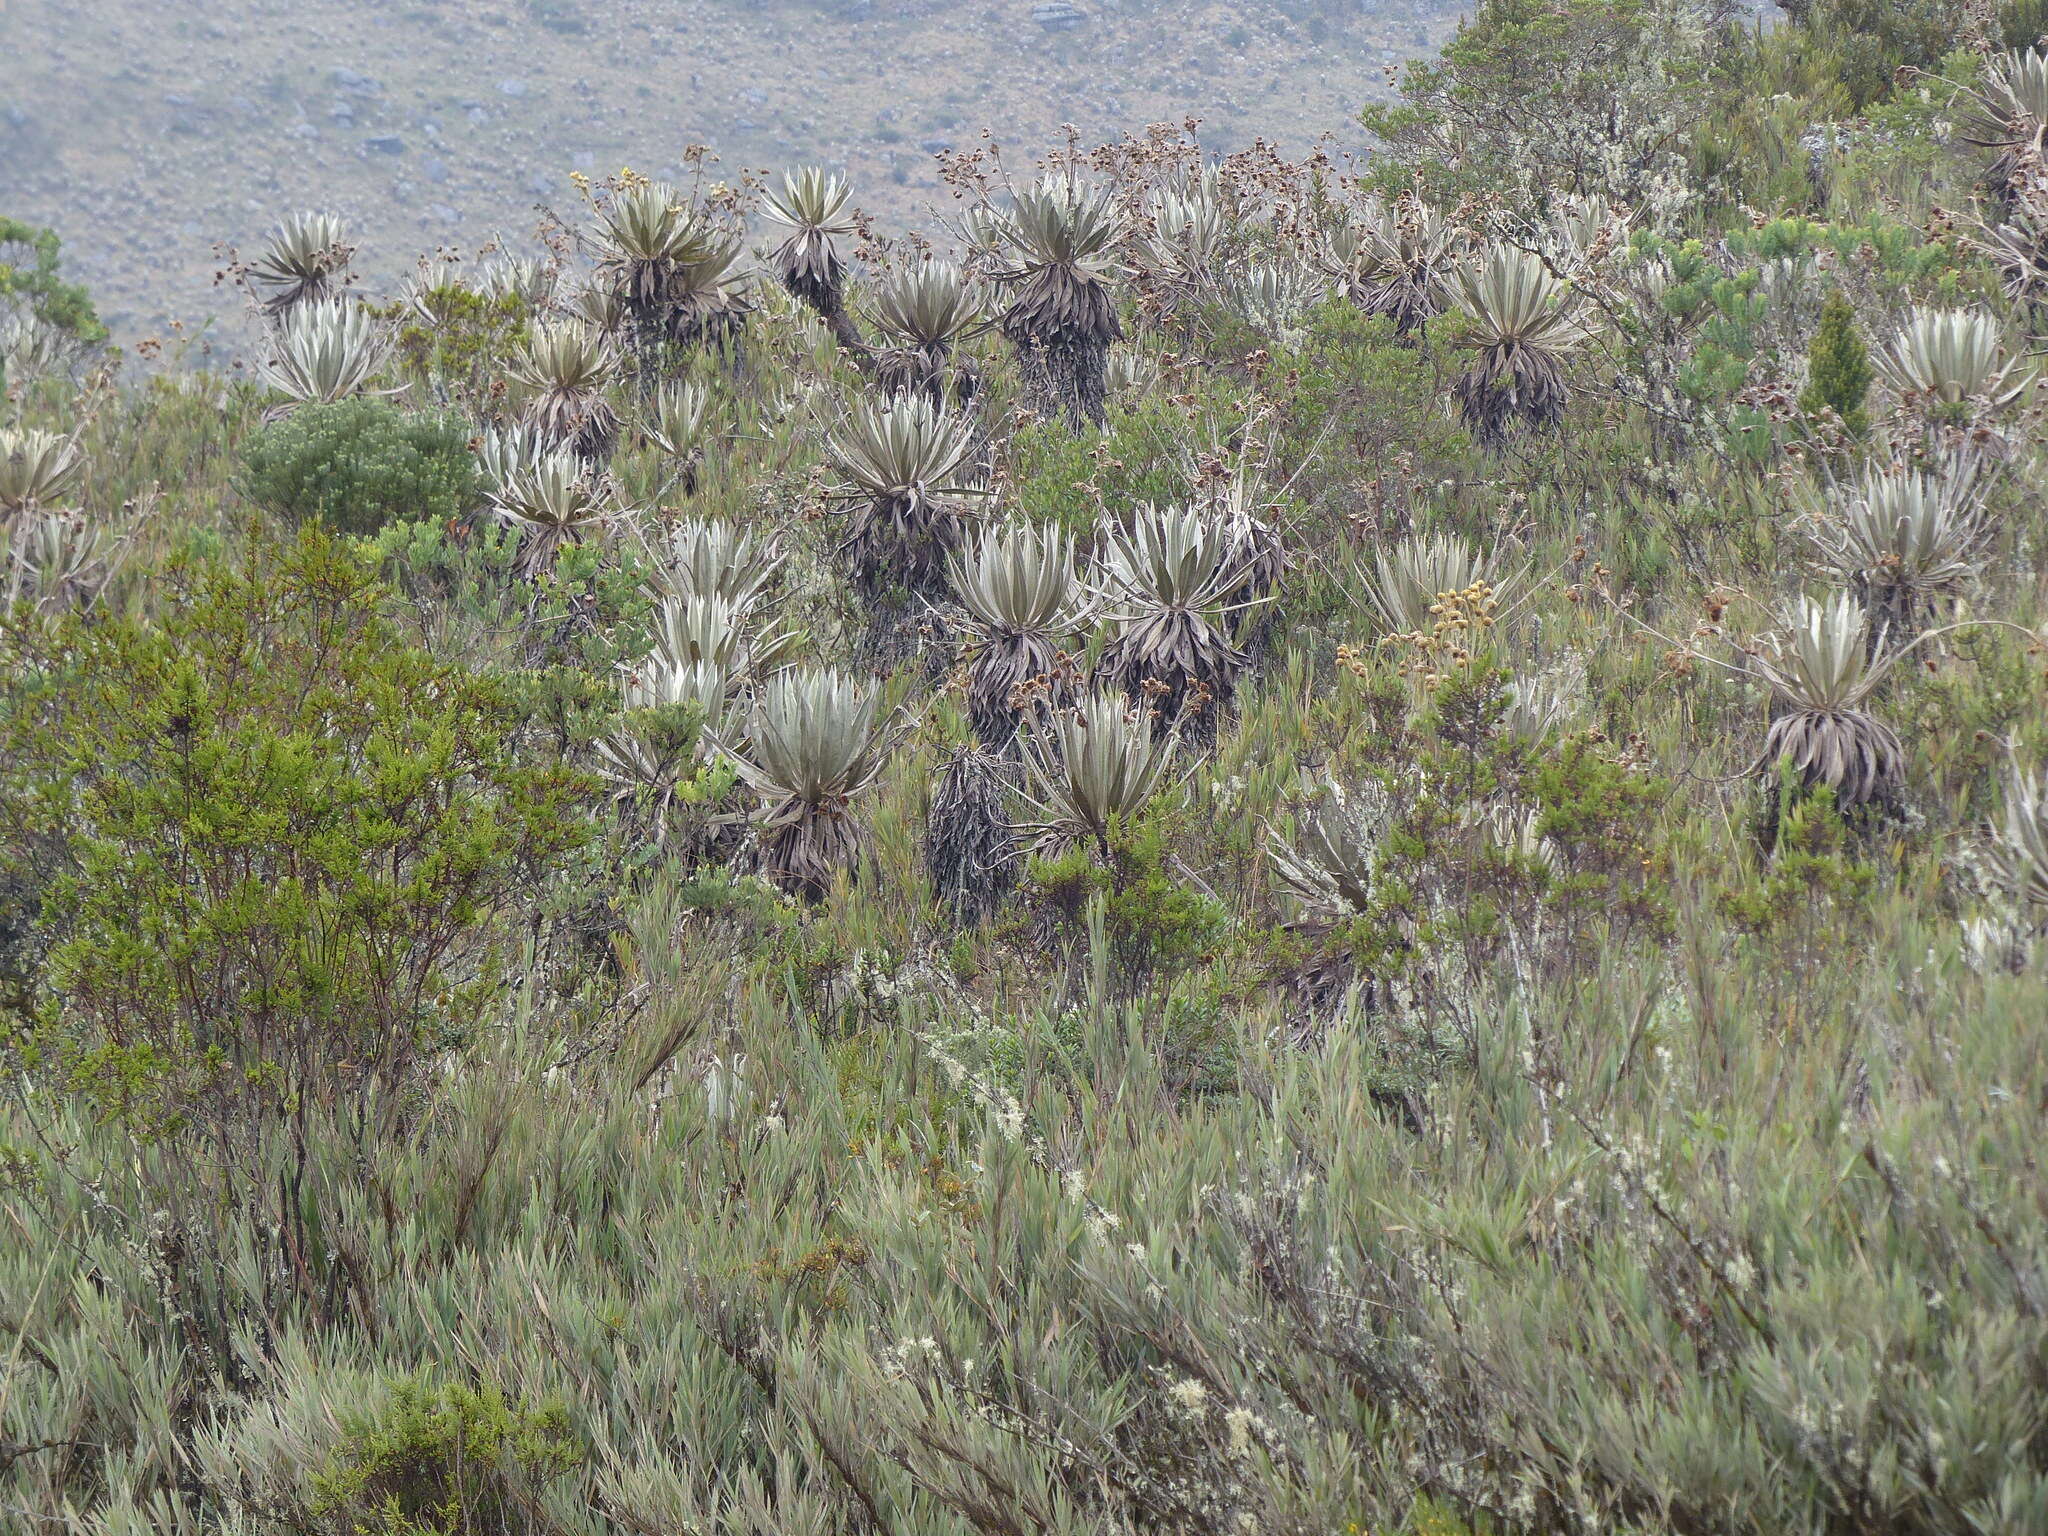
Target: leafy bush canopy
[30, 281]
[282, 833]
[358, 464]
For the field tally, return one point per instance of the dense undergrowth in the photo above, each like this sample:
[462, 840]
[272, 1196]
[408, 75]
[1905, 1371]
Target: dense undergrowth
[1294, 855]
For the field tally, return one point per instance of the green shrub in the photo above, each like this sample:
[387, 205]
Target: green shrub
[285, 833]
[1720, 365]
[29, 264]
[1150, 922]
[1838, 371]
[1363, 414]
[1599, 815]
[1068, 479]
[359, 464]
[1813, 880]
[1538, 94]
[1872, 40]
[2023, 23]
[463, 353]
[437, 1461]
[435, 560]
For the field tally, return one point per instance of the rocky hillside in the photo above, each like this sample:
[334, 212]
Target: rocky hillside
[145, 134]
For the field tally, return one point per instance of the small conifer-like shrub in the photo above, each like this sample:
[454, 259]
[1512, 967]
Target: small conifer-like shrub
[1838, 368]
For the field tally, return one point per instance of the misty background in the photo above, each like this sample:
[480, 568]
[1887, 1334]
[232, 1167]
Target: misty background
[147, 133]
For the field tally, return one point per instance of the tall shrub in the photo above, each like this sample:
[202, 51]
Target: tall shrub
[286, 834]
[1838, 371]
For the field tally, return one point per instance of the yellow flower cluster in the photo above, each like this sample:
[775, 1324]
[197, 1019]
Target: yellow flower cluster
[1460, 621]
